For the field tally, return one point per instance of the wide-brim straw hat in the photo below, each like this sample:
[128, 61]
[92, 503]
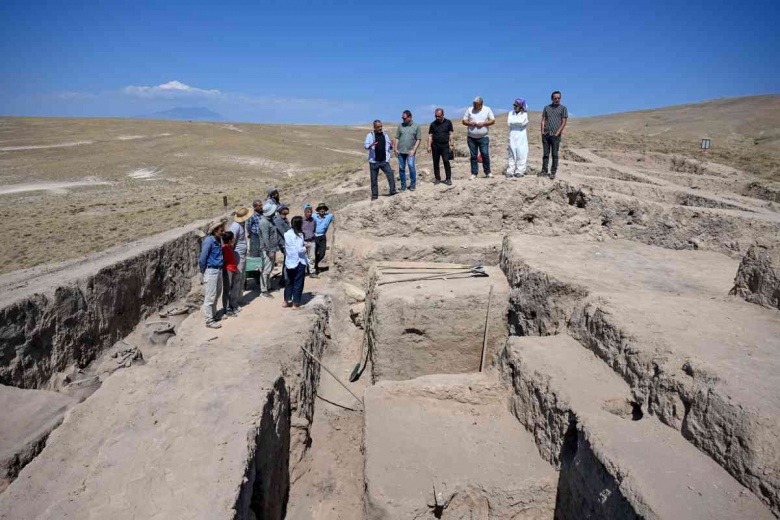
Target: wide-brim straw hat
[242, 214]
[214, 225]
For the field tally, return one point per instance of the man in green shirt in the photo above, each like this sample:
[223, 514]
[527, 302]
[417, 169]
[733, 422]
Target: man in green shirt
[407, 138]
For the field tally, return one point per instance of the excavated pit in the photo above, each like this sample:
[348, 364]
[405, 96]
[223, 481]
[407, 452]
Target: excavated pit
[608, 391]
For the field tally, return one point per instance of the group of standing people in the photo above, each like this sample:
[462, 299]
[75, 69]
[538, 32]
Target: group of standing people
[251, 245]
[478, 118]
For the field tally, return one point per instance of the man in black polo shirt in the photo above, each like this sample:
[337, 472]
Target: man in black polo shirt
[440, 145]
[554, 119]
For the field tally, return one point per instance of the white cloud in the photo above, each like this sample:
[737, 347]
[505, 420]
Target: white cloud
[169, 90]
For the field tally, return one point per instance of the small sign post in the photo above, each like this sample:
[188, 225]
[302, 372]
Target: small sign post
[705, 144]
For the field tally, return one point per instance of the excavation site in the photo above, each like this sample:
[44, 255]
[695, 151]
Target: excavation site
[604, 345]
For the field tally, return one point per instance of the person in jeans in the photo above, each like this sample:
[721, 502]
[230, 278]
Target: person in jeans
[479, 118]
[309, 227]
[323, 220]
[379, 149]
[210, 264]
[294, 263]
[269, 245]
[554, 117]
[407, 139]
[440, 145]
[229, 275]
[238, 228]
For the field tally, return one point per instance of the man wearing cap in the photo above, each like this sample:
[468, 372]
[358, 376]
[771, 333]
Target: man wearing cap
[479, 118]
[268, 245]
[210, 264]
[379, 148]
[240, 216]
[554, 117]
[407, 139]
[309, 226]
[517, 151]
[440, 145]
[323, 220]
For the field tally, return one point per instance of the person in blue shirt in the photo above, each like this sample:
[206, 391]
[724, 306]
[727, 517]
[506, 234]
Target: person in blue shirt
[322, 220]
[211, 263]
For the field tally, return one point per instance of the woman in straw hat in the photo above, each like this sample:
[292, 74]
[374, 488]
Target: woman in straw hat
[238, 228]
[211, 263]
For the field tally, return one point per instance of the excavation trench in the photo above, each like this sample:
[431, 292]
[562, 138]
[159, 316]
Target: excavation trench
[545, 432]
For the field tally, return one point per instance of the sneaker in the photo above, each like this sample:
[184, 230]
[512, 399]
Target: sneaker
[411, 188]
[472, 177]
[374, 198]
[542, 173]
[436, 182]
[392, 193]
[552, 176]
[403, 188]
[520, 175]
[448, 182]
[231, 313]
[488, 175]
[268, 295]
[314, 275]
[213, 325]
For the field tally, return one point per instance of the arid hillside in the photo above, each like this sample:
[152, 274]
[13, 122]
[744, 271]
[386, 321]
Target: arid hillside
[84, 185]
[749, 121]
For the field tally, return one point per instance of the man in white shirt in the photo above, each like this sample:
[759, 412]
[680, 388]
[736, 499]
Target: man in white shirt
[478, 118]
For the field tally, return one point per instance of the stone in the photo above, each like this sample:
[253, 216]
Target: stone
[758, 276]
[354, 294]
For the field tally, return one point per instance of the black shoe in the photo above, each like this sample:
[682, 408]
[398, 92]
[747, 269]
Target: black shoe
[448, 182]
[437, 181]
[403, 188]
[374, 198]
[552, 176]
[411, 188]
[542, 173]
[392, 193]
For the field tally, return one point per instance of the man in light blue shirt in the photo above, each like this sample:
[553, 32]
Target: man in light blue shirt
[323, 220]
[379, 148]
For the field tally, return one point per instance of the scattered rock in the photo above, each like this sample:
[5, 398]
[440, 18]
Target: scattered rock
[758, 276]
[356, 314]
[354, 294]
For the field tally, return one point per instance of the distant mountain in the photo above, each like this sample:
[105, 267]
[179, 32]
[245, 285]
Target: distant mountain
[187, 114]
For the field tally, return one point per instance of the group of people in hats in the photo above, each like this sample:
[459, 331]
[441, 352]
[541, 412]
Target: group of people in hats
[250, 246]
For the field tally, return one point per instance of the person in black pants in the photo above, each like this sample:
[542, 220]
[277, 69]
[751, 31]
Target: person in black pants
[440, 145]
[554, 117]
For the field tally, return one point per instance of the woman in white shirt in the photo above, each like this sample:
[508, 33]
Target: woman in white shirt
[517, 151]
[294, 263]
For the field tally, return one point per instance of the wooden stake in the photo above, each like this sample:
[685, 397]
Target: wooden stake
[485, 336]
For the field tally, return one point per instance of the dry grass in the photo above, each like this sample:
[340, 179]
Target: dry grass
[163, 174]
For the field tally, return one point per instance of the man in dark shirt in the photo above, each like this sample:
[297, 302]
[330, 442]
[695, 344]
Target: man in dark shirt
[554, 119]
[379, 148]
[440, 145]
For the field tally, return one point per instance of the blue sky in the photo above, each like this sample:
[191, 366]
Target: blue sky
[349, 62]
